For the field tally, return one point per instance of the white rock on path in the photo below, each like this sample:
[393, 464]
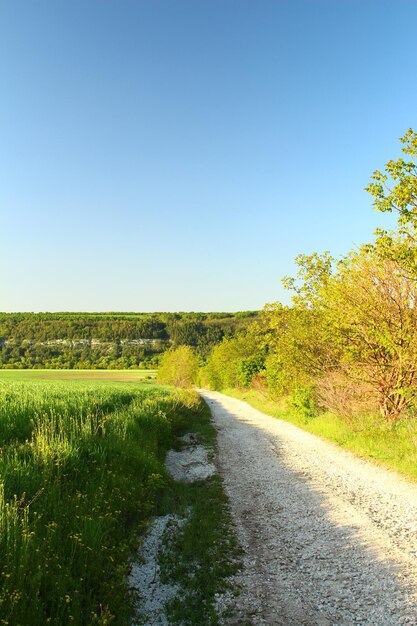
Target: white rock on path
[189, 464]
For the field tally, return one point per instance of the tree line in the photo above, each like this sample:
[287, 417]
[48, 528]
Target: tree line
[348, 342]
[108, 340]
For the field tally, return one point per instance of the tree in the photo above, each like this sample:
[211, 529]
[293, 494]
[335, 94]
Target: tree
[300, 342]
[178, 367]
[314, 272]
[300, 348]
[372, 309]
[395, 191]
[357, 322]
[235, 361]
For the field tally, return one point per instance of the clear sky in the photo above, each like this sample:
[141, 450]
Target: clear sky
[178, 154]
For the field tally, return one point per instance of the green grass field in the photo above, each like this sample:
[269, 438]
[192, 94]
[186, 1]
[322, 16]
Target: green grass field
[82, 471]
[124, 376]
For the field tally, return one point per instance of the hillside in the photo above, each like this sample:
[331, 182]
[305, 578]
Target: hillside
[108, 340]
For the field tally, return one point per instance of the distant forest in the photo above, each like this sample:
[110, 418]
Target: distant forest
[109, 340]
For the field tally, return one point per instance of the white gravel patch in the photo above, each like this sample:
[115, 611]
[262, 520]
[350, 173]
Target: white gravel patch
[145, 578]
[189, 464]
[330, 539]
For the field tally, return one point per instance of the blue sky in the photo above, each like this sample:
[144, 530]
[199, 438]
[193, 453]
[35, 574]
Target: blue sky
[177, 155]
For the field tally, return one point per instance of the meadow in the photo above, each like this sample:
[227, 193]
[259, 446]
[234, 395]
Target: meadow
[82, 471]
[133, 376]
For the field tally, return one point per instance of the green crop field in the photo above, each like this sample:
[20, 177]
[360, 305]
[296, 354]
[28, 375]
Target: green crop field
[82, 471]
[124, 376]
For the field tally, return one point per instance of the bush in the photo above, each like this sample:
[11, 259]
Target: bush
[303, 399]
[345, 397]
[234, 362]
[178, 367]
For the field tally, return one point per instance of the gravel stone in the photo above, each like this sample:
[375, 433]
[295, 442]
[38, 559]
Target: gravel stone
[330, 539]
[189, 464]
[144, 577]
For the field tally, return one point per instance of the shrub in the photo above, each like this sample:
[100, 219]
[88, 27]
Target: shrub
[345, 397]
[178, 367]
[303, 399]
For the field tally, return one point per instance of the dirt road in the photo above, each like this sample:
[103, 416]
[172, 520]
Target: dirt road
[329, 538]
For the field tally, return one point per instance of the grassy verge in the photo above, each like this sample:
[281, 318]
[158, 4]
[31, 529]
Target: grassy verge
[204, 553]
[82, 471]
[391, 445]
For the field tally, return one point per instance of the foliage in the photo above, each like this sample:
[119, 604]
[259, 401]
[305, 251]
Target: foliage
[179, 367]
[108, 340]
[358, 319]
[303, 399]
[352, 326]
[314, 273]
[372, 309]
[250, 367]
[395, 189]
[234, 362]
[300, 347]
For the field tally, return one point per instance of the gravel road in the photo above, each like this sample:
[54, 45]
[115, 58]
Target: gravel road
[329, 538]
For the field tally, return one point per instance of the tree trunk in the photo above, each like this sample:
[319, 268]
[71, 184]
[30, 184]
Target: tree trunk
[392, 406]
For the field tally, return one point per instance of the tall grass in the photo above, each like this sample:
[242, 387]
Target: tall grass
[81, 468]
